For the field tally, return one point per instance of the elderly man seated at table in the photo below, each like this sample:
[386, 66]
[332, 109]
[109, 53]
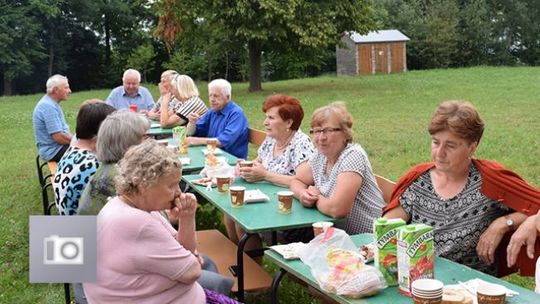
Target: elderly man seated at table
[225, 121]
[470, 203]
[141, 258]
[131, 93]
[50, 128]
[338, 179]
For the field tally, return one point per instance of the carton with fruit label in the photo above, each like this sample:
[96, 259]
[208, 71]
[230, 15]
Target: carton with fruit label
[415, 255]
[384, 231]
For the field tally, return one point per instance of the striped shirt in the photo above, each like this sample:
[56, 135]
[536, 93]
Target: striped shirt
[193, 105]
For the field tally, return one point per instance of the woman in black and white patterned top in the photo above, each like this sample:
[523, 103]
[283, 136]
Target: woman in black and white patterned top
[338, 179]
[284, 149]
[454, 193]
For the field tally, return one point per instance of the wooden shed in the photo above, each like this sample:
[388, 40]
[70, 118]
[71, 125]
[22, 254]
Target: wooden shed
[378, 52]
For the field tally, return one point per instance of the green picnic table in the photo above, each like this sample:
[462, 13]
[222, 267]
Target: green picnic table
[257, 217]
[445, 270]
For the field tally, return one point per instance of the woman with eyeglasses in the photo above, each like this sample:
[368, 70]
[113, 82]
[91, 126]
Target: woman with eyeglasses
[338, 179]
[184, 93]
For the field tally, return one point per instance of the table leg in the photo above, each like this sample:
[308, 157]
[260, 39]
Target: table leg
[275, 285]
[240, 265]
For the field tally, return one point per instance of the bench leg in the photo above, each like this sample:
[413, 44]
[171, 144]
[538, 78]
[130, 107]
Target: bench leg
[240, 265]
[275, 285]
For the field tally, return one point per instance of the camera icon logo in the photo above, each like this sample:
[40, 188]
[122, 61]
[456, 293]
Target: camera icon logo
[63, 250]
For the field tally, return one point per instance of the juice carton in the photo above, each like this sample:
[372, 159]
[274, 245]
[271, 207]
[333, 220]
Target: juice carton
[384, 231]
[415, 254]
[179, 138]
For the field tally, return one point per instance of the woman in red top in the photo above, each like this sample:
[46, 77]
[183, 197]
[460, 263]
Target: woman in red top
[470, 203]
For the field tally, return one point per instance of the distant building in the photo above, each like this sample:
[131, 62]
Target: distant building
[379, 52]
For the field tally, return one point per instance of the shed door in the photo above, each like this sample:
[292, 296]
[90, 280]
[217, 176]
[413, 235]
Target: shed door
[398, 65]
[381, 58]
[364, 59]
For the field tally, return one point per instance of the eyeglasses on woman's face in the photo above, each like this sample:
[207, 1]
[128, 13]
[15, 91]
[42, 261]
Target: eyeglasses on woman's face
[325, 131]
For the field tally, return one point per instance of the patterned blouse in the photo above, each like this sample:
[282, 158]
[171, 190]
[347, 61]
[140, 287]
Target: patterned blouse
[297, 151]
[457, 222]
[368, 203]
[172, 104]
[72, 175]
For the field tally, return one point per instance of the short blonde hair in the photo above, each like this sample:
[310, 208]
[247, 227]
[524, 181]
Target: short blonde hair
[336, 111]
[458, 117]
[144, 165]
[185, 86]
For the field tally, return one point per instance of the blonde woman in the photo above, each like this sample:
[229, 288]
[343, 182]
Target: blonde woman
[185, 92]
[164, 88]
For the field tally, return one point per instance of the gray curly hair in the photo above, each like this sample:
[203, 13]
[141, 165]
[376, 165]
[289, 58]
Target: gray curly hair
[144, 165]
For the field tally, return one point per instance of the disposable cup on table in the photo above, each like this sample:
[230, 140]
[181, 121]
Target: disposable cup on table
[237, 196]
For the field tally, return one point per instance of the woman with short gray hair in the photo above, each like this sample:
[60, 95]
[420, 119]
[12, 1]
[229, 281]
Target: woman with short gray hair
[152, 251]
[118, 132]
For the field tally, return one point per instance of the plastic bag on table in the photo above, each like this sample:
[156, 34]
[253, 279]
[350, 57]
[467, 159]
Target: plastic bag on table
[217, 167]
[338, 267]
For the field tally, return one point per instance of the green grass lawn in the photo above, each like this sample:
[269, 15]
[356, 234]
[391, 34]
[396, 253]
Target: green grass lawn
[390, 113]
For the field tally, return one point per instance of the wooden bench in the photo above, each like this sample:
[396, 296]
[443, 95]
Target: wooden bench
[256, 137]
[386, 186]
[223, 252]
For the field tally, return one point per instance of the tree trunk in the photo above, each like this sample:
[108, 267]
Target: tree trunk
[107, 29]
[7, 85]
[51, 49]
[254, 48]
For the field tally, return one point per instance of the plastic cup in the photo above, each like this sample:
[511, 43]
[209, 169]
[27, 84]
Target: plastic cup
[491, 294]
[285, 199]
[245, 163]
[237, 196]
[133, 108]
[320, 227]
[223, 183]
[211, 144]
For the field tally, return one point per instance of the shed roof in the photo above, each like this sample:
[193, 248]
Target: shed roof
[379, 36]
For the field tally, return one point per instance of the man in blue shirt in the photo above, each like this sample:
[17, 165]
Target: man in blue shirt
[50, 128]
[131, 93]
[225, 121]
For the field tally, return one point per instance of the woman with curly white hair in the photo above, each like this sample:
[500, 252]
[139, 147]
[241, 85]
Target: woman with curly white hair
[140, 257]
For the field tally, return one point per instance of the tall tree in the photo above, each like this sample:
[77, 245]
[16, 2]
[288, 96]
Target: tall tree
[19, 40]
[264, 25]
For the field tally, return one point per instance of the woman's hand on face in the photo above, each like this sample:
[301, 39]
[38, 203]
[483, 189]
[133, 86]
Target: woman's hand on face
[489, 240]
[253, 174]
[185, 205]
[524, 235]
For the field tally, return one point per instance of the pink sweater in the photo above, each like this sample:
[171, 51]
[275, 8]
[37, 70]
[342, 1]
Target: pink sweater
[139, 260]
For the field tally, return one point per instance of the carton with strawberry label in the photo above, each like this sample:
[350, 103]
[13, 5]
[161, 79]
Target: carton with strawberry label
[415, 255]
[384, 231]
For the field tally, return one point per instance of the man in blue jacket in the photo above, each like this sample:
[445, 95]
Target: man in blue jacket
[225, 121]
